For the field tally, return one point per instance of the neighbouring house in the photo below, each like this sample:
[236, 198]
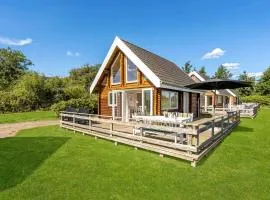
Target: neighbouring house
[134, 81]
[224, 98]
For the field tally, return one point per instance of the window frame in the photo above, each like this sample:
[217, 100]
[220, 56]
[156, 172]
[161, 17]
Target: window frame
[109, 99]
[170, 103]
[126, 67]
[115, 60]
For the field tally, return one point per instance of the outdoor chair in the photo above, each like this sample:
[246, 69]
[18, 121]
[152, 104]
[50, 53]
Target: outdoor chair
[69, 110]
[83, 112]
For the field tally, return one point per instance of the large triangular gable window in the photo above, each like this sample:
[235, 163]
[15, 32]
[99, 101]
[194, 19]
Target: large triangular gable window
[131, 71]
[115, 70]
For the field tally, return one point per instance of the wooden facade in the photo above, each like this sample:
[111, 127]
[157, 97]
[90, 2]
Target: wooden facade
[105, 86]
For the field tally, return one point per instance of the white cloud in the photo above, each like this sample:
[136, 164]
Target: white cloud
[231, 65]
[69, 53]
[215, 53]
[15, 42]
[255, 74]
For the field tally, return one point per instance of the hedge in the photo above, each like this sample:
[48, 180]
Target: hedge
[89, 102]
[263, 100]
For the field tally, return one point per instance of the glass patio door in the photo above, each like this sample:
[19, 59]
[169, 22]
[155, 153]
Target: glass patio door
[147, 101]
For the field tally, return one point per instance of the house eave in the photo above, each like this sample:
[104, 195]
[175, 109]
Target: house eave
[183, 89]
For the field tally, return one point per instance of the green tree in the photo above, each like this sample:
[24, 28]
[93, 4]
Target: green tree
[202, 71]
[263, 86]
[84, 75]
[246, 91]
[187, 67]
[54, 87]
[13, 64]
[29, 92]
[222, 73]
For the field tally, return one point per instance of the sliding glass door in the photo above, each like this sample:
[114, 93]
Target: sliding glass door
[147, 101]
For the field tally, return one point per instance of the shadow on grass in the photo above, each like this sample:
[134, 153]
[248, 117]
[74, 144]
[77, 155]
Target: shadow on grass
[242, 129]
[21, 156]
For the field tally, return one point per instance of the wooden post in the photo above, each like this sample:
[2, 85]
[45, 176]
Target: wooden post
[222, 124]
[195, 131]
[73, 123]
[213, 128]
[90, 125]
[194, 163]
[141, 133]
[111, 128]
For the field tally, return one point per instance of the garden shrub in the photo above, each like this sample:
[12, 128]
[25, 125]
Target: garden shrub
[89, 102]
[263, 100]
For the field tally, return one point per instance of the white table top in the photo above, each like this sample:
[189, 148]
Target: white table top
[162, 118]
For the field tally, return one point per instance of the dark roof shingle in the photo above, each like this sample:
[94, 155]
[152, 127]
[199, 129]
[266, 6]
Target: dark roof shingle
[168, 72]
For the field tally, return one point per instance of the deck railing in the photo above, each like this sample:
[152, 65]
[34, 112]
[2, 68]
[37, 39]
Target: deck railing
[189, 141]
[246, 110]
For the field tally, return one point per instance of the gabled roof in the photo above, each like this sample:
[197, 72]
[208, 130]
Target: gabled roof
[201, 77]
[160, 71]
[168, 72]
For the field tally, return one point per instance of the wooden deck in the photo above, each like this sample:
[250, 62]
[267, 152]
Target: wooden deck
[189, 141]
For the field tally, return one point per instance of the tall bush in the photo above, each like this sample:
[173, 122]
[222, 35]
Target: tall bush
[88, 102]
[263, 100]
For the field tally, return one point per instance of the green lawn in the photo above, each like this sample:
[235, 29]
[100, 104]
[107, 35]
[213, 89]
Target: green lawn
[27, 116]
[53, 163]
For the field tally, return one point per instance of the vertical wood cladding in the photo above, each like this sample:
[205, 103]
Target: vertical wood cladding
[194, 104]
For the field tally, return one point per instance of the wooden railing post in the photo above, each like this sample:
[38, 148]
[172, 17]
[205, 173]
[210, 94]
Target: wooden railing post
[213, 128]
[111, 128]
[222, 123]
[195, 131]
[90, 124]
[73, 122]
[189, 141]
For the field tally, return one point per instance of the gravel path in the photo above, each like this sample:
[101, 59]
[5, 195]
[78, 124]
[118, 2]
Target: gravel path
[8, 130]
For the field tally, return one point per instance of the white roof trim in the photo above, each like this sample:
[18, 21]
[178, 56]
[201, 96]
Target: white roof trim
[197, 75]
[180, 89]
[124, 48]
[228, 90]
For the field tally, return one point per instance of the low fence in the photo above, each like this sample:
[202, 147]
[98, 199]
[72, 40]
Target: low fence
[190, 141]
[246, 110]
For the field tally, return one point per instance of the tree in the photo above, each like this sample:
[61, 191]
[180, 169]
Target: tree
[13, 64]
[29, 92]
[202, 71]
[84, 75]
[222, 73]
[246, 91]
[263, 87]
[187, 67]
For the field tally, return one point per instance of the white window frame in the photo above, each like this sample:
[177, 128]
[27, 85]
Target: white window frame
[113, 99]
[117, 83]
[186, 102]
[177, 102]
[134, 81]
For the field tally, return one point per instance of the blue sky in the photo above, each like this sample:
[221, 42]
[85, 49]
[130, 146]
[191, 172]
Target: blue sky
[60, 35]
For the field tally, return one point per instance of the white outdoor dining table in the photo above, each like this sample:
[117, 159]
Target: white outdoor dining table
[163, 119]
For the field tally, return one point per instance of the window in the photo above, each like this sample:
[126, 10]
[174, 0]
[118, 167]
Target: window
[219, 99]
[110, 99]
[115, 71]
[131, 72]
[169, 100]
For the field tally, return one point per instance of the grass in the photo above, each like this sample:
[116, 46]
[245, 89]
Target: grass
[53, 163]
[27, 116]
